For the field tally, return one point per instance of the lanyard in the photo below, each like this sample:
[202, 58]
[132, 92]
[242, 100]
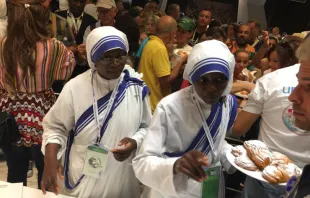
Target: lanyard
[76, 24]
[109, 106]
[205, 125]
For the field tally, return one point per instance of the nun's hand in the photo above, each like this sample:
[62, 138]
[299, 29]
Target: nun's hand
[191, 164]
[127, 145]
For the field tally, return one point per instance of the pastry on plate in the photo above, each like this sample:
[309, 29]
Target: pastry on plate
[279, 159]
[238, 151]
[245, 162]
[274, 175]
[254, 143]
[258, 153]
[290, 170]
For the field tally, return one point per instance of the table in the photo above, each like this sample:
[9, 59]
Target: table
[33, 193]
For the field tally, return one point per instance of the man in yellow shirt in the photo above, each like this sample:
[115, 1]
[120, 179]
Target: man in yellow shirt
[154, 62]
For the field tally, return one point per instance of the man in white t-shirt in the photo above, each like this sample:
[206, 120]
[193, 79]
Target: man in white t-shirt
[269, 99]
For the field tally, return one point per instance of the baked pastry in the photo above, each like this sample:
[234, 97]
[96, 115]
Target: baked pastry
[258, 153]
[279, 159]
[281, 173]
[289, 169]
[254, 143]
[238, 151]
[245, 162]
[274, 175]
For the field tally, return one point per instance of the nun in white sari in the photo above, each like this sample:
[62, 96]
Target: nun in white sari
[108, 105]
[177, 147]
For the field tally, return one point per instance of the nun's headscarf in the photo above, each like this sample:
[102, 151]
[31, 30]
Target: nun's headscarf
[208, 57]
[101, 40]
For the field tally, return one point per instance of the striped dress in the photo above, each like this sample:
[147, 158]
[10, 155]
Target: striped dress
[34, 96]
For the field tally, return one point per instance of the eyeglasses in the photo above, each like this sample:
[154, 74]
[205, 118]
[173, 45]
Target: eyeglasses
[109, 61]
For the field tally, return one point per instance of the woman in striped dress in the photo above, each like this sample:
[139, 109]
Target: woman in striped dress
[29, 64]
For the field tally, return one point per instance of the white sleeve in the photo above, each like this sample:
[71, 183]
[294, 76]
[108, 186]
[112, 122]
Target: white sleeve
[150, 167]
[145, 123]
[59, 121]
[255, 103]
[86, 33]
[225, 147]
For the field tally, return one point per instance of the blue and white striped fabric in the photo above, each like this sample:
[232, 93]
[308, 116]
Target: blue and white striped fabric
[104, 39]
[207, 57]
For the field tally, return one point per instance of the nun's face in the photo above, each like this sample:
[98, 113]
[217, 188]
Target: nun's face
[111, 64]
[211, 86]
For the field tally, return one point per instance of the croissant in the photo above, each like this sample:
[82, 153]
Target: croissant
[289, 169]
[274, 175]
[238, 151]
[258, 153]
[279, 159]
[245, 162]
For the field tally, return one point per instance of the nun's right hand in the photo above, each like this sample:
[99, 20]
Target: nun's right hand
[49, 180]
[191, 164]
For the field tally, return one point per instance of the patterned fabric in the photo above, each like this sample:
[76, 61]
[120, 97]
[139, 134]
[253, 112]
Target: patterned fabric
[60, 29]
[28, 110]
[53, 62]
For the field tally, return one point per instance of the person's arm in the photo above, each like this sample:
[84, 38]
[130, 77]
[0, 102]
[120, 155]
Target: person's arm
[262, 51]
[64, 62]
[56, 126]
[145, 123]
[244, 122]
[166, 81]
[150, 167]
[132, 144]
[252, 110]
[242, 86]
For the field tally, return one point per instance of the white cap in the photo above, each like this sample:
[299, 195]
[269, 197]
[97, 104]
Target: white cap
[108, 4]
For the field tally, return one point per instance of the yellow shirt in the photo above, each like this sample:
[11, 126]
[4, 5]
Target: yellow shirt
[154, 64]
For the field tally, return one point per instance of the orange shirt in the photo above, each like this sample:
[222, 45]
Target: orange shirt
[248, 48]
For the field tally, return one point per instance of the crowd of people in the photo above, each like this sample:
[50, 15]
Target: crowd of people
[117, 103]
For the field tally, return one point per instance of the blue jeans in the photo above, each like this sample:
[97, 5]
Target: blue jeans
[257, 189]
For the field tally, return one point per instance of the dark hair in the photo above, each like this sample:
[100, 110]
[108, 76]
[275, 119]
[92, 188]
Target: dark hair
[171, 8]
[274, 38]
[129, 27]
[241, 51]
[215, 23]
[26, 27]
[257, 24]
[215, 33]
[286, 54]
[206, 9]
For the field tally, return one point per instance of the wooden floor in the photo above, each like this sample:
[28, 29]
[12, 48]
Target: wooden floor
[32, 182]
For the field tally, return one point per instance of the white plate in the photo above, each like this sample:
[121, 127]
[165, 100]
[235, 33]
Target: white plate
[255, 174]
[241, 95]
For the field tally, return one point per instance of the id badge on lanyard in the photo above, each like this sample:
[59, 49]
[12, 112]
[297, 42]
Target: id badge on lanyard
[95, 161]
[97, 153]
[211, 186]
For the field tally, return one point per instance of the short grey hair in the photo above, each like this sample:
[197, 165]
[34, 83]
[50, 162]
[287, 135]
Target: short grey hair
[303, 52]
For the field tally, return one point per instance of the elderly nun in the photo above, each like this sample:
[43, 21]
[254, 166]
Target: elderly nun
[186, 136]
[98, 121]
